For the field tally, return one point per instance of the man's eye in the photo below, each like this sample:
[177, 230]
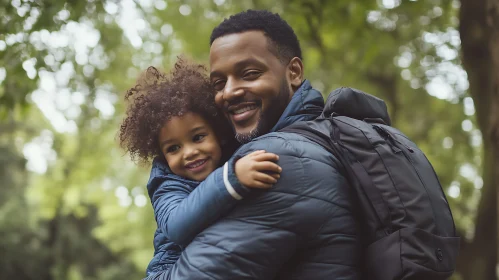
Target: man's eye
[173, 149]
[252, 74]
[198, 137]
[219, 85]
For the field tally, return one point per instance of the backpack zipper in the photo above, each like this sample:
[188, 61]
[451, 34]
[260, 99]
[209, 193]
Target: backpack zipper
[394, 141]
[386, 135]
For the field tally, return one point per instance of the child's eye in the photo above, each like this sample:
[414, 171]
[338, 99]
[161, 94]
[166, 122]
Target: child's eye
[198, 137]
[172, 148]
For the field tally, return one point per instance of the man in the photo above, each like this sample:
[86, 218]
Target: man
[303, 227]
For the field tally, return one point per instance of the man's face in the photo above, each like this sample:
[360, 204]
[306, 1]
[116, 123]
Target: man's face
[251, 83]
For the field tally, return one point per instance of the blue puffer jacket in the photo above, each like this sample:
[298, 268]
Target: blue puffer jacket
[302, 228]
[183, 208]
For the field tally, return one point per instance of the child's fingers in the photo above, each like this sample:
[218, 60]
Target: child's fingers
[255, 153]
[275, 175]
[266, 157]
[268, 166]
[264, 178]
[261, 185]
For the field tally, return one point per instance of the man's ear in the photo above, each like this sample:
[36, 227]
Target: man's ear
[295, 72]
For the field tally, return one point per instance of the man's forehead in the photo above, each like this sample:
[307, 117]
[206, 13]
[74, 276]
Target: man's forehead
[240, 37]
[254, 41]
[234, 47]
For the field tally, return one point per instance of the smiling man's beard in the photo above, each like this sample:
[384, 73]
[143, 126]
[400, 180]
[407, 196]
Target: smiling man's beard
[269, 117]
[244, 138]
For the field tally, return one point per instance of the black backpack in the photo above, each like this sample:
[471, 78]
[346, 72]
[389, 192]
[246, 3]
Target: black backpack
[407, 226]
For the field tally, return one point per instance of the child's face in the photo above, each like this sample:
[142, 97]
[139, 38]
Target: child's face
[190, 146]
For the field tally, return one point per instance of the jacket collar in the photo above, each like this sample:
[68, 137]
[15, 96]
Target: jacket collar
[160, 172]
[306, 104]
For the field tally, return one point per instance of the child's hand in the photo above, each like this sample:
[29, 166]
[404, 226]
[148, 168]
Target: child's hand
[258, 170]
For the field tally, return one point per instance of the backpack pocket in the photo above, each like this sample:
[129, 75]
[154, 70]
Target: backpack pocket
[405, 255]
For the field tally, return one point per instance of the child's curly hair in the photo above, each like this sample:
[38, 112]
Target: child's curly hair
[157, 97]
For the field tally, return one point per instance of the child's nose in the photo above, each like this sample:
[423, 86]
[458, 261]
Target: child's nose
[190, 152]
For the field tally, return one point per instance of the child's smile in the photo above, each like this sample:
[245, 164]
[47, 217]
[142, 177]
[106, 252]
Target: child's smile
[196, 165]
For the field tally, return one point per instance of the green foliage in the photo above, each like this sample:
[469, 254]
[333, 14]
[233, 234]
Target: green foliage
[78, 208]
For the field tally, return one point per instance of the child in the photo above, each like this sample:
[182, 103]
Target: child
[174, 120]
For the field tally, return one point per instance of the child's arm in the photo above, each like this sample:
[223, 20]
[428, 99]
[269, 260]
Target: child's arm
[182, 214]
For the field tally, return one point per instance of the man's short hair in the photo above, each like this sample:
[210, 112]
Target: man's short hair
[282, 39]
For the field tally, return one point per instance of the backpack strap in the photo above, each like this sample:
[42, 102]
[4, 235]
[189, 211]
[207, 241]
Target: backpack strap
[353, 168]
[373, 194]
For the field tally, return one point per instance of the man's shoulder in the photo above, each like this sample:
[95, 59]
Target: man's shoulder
[292, 144]
[293, 139]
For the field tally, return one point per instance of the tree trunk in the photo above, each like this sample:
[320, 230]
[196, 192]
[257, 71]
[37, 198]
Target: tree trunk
[479, 29]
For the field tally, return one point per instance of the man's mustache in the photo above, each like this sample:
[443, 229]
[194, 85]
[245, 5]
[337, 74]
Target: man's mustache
[240, 100]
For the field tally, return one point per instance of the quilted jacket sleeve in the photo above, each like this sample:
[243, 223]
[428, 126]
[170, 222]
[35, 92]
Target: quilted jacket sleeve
[182, 212]
[302, 228]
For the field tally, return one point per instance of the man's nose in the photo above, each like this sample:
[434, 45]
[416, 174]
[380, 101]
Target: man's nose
[232, 90]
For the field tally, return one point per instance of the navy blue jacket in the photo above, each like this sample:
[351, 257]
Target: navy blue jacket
[183, 208]
[301, 228]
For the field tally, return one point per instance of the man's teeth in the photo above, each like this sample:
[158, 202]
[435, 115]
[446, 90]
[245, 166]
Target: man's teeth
[244, 109]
